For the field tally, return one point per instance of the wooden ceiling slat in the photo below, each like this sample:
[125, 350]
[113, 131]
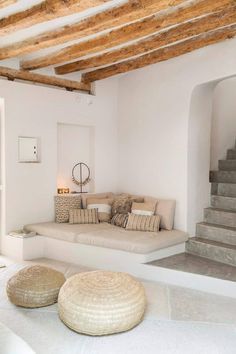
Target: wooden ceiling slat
[45, 11]
[181, 32]
[131, 11]
[162, 54]
[5, 3]
[129, 32]
[70, 85]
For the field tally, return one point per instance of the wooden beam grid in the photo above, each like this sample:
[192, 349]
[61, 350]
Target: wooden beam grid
[162, 54]
[127, 33]
[184, 26]
[133, 10]
[178, 33]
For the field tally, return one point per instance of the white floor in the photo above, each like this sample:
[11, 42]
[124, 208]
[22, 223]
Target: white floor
[177, 321]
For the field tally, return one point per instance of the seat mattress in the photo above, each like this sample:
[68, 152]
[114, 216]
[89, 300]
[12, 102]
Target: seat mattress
[110, 236]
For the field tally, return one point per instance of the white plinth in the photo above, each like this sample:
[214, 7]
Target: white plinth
[23, 248]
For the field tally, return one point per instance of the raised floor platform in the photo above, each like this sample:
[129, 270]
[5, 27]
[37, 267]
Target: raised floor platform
[198, 265]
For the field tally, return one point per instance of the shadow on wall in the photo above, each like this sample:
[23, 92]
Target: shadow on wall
[209, 136]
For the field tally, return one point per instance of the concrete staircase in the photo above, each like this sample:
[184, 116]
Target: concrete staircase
[216, 236]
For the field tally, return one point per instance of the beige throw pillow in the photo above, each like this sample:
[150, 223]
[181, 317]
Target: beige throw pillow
[103, 206]
[63, 203]
[143, 223]
[147, 208]
[83, 216]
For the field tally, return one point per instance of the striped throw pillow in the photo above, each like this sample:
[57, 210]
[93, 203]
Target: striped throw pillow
[147, 208]
[120, 220]
[83, 216]
[103, 205]
[143, 223]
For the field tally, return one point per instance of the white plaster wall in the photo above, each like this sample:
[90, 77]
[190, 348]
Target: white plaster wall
[154, 109]
[75, 144]
[35, 111]
[223, 121]
[199, 146]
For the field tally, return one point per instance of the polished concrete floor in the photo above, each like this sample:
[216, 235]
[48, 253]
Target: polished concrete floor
[193, 264]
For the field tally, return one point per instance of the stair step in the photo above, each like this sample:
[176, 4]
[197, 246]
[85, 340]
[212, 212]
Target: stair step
[220, 217]
[222, 202]
[223, 189]
[217, 233]
[216, 251]
[231, 154]
[227, 165]
[223, 176]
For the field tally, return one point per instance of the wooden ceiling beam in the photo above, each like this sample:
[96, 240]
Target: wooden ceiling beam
[45, 11]
[129, 32]
[5, 3]
[162, 54]
[133, 10]
[69, 85]
[178, 33]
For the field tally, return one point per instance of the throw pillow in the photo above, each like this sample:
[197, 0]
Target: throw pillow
[103, 206]
[143, 223]
[63, 203]
[147, 208]
[122, 203]
[120, 220]
[83, 216]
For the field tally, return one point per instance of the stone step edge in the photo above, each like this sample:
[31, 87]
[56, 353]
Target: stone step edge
[217, 226]
[212, 243]
[221, 210]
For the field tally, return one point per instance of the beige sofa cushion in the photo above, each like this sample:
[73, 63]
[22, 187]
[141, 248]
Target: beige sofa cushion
[85, 196]
[103, 206]
[143, 222]
[166, 209]
[64, 231]
[140, 242]
[146, 208]
[83, 216]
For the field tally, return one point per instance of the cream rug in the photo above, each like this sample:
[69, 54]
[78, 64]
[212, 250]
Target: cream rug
[46, 334]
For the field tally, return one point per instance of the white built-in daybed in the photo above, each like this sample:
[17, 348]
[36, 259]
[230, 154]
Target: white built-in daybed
[103, 244]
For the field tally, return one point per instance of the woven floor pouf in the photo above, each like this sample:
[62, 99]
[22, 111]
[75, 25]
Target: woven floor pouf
[35, 286]
[100, 302]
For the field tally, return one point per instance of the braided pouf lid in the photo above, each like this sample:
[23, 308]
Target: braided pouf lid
[101, 302]
[35, 286]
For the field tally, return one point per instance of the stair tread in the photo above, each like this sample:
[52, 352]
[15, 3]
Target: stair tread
[213, 243]
[223, 171]
[222, 196]
[217, 226]
[224, 210]
[227, 160]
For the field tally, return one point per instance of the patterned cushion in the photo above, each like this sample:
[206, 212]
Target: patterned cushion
[122, 204]
[63, 203]
[103, 206]
[120, 220]
[147, 208]
[143, 223]
[83, 216]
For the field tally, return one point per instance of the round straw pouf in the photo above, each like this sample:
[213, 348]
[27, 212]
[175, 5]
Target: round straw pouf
[35, 286]
[98, 303]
